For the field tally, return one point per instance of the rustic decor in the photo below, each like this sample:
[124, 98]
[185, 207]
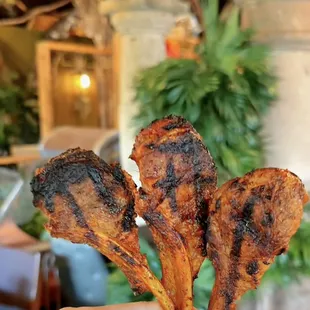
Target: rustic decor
[74, 85]
[183, 39]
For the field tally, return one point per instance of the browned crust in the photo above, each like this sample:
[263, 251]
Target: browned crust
[178, 178]
[252, 220]
[87, 201]
[242, 226]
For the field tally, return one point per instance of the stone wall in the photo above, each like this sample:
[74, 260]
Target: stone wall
[287, 125]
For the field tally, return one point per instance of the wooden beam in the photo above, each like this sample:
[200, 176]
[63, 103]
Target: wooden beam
[44, 74]
[21, 5]
[42, 22]
[33, 12]
[76, 48]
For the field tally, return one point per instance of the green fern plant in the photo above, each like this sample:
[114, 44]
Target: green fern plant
[19, 115]
[224, 93]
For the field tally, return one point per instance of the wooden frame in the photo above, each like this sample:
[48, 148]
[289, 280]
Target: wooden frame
[117, 47]
[44, 73]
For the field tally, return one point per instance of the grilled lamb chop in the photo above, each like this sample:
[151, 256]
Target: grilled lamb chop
[178, 179]
[252, 220]
[88, 201]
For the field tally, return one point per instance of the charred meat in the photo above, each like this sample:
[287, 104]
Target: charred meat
[241, 227]
[178, 179]
[88, 201]
[252, 220]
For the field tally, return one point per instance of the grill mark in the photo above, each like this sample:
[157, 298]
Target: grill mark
[79, 215]
[234, 203]
[242, 227]
[268, 219]
[91, 236]
[152, 218]
[179, 122]
[187, 144]
[119, 175]
[202, 214]
[252, 268]
[49, 203]
[56, 181]
[102, 191]
[228, 297]
[200, 183]
[169, 185]
[192, 147]
[116, 249]
[128, 217]
[258, 190]
[76, 210]
[60, 173]
[218, 205]
[239, 186]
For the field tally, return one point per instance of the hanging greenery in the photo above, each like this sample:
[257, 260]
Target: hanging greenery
[19, 117]
[224, 93]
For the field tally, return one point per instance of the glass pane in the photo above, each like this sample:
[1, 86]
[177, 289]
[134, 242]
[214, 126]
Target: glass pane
[10, 186]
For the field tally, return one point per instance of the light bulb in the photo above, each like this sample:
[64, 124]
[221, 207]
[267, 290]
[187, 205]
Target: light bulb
[84, 81]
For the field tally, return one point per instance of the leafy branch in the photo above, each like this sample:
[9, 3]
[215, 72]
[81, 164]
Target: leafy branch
[224, 93]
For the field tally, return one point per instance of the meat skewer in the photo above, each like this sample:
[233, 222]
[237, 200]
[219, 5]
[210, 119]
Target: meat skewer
[178, 179]
[252, 220]
[87, 201]
[241, 226]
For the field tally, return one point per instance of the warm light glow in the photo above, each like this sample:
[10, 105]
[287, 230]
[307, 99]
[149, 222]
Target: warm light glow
[84, 81]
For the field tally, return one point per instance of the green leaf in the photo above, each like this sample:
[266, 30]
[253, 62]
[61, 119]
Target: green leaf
[211, 13]
[207, 82]
[231, 29]
[193, 112]
[224, 94]
[175, 94]
[231, 161]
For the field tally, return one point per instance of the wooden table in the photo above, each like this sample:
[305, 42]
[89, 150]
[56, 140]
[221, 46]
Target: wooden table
[14, 160]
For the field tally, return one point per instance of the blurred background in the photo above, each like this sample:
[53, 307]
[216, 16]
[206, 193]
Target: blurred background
[92, 73]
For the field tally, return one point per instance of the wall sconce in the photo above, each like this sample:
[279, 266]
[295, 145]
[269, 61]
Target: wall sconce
[77, 70]
[84, 81]
[82, 104]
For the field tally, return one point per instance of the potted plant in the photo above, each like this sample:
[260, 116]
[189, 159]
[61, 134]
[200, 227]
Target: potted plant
[19, 117]
[224, 92]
